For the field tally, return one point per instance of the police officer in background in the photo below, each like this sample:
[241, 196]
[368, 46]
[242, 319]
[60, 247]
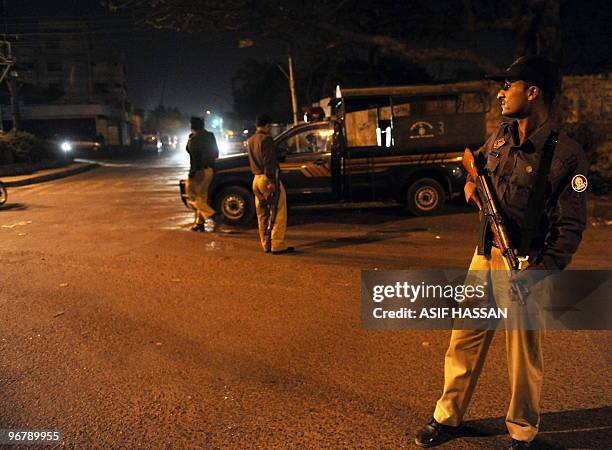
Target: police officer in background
[545, 221]
[202, 149]
[264, 165]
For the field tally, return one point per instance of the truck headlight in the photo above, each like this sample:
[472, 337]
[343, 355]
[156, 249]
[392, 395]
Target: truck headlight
[66, 146]
[457, 172]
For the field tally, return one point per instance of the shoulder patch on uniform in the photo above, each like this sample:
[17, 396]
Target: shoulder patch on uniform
[579, 183]
[498, 143]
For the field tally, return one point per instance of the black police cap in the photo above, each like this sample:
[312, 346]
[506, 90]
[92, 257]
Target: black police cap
[197, 123]
[535, 70]
[262, 120]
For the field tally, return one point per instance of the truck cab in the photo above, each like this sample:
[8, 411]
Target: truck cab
[396, 145]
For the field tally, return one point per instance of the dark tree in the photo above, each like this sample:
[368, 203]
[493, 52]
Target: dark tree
[164, 120]
[419, 30]
[261, 86]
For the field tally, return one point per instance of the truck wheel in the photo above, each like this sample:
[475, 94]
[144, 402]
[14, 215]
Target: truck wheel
[425, 196]
[236, 204]
[3, 194]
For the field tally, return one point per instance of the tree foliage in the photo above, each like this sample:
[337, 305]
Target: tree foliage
[261, 85]
[417, 30]
[164, 120]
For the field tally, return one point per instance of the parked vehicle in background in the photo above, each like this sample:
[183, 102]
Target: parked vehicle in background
[78, 146]
[392, 145]
[168, 142]
[151, 143]
[232, 143]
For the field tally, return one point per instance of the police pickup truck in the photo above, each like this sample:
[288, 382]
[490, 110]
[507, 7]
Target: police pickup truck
[399, 145]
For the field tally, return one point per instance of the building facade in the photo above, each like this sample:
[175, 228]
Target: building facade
[71, 82]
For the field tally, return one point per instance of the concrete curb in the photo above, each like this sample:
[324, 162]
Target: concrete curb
[51, 176]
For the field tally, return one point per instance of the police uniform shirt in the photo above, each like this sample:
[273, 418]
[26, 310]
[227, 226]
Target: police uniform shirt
[262, 154]
[513, 169]
[202, 149]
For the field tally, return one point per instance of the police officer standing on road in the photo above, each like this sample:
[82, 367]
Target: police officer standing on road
[202, 149]
[264, 165]
[545, 221]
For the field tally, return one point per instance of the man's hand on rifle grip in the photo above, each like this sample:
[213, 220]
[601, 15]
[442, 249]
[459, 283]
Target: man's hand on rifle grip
[523, 280]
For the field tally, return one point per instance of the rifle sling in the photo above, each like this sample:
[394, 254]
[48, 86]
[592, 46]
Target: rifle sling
[536, 204]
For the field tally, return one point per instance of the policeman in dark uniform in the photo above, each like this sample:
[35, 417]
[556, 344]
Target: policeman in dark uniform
[202, 149]
[545, 221]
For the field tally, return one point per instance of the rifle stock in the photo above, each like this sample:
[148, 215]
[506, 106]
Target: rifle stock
[273, 206]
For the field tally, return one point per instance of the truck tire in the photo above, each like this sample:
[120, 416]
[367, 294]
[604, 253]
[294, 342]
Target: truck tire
[3, 194]
[236, 204]
[425, 197]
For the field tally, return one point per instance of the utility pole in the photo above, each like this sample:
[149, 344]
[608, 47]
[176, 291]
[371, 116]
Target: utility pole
[294, 103]
[7, 64]
[15, 100]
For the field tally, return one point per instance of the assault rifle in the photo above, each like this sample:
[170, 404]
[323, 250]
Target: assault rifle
[273, 206]
[486, 203]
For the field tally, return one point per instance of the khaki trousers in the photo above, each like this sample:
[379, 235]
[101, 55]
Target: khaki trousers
[262, 195]
[466, 355]
[197, 192]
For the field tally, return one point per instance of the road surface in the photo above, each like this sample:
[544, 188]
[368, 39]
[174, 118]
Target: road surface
[121, 327]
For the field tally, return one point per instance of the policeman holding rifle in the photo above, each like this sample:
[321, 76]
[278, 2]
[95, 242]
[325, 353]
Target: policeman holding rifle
[270, 196]
[536, 182]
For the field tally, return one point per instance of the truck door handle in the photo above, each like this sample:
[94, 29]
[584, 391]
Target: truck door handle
[320, 162]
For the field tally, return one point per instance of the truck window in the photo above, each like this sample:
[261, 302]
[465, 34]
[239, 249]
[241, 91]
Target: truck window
[317, 140]
[437, 121]
[423, 106]
[368, 122]
[473, 102]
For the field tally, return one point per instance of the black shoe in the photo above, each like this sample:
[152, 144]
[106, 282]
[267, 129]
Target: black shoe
[198, 228]
[519, 445]
[434, 434]
[284, 252]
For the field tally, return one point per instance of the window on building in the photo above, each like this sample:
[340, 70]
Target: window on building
[26, 66]
[54, 66]
[56, 86]
[101, 88]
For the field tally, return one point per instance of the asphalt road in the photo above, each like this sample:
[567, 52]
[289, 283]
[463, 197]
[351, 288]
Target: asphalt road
[122, 328]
